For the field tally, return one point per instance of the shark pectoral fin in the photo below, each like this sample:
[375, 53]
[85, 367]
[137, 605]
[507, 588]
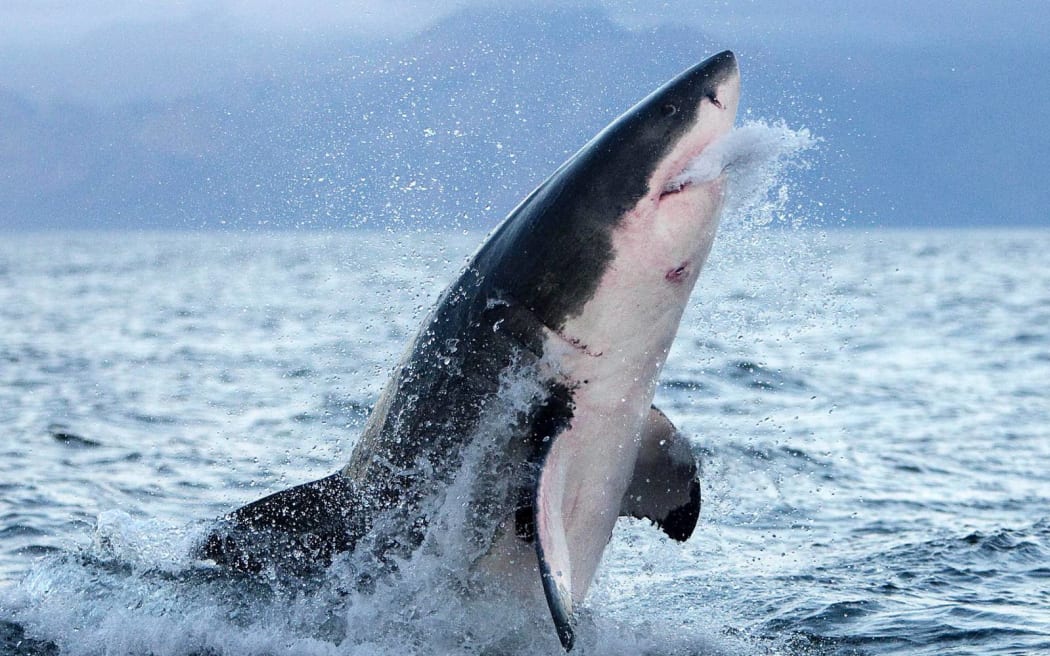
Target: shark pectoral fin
[552, 550]
[297, 528]
[665, 488]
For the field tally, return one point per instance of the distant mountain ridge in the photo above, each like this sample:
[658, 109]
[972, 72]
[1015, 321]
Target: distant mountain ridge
[455, 125]
[441, 129]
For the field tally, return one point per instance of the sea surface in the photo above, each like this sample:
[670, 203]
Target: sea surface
[871, 410]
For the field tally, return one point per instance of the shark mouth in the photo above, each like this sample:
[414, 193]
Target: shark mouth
[708, 166]
[751, 149]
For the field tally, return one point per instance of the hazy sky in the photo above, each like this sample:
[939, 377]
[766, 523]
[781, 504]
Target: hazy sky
[982, 23]
[110, 51]
[935, 106]
[100, 50]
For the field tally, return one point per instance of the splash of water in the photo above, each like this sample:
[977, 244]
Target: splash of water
[755, 158]
[136, 589]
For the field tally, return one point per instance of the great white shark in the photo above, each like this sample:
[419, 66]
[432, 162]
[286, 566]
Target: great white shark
[579, 294]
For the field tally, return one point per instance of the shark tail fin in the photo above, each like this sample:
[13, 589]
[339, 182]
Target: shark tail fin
[297, 529]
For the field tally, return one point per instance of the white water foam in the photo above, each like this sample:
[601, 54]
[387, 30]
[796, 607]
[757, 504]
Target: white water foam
[137, 590]
[755, 158]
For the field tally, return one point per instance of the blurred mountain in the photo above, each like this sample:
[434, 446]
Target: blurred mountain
[203, 126]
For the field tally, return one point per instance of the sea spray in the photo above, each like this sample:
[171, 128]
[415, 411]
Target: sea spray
[755, 158]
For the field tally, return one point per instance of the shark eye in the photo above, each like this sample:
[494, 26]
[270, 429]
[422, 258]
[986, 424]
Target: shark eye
[714, 100]
[668, 110]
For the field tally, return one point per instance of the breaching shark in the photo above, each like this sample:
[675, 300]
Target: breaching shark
[579, 293]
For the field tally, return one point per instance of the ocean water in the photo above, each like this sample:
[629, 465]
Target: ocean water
[870, 409]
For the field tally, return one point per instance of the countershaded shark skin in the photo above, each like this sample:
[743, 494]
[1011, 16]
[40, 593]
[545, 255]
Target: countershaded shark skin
[578, 294]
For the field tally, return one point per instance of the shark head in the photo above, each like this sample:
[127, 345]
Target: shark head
[620, 204]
